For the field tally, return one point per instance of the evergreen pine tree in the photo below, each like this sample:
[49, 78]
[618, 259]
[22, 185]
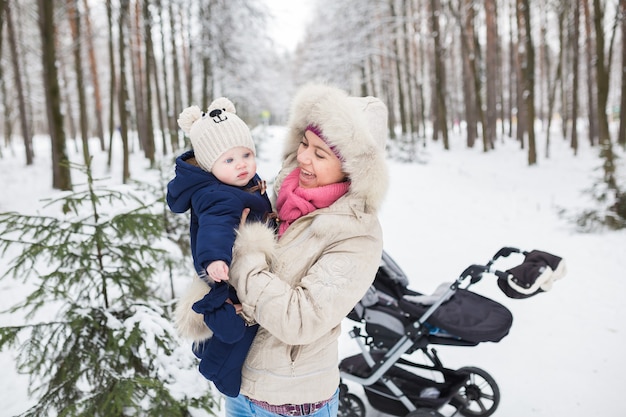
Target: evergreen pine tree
[108, 348]
[608, 194]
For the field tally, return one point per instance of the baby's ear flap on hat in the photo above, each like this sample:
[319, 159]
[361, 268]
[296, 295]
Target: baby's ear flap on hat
[224, 104]
[187, 118]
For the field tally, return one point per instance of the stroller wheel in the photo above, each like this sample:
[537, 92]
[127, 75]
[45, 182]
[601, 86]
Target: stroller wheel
[479, 396]
[350, 406]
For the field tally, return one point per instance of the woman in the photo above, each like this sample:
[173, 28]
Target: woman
[299, 285]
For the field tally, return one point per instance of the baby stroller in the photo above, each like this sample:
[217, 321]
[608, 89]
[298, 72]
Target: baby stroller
[396, 322]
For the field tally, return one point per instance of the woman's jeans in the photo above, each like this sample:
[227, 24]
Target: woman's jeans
[241, 406]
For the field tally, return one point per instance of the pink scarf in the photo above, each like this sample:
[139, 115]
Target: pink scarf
[294, 201]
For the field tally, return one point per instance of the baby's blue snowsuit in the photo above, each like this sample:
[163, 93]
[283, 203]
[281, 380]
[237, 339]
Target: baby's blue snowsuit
[215, 215]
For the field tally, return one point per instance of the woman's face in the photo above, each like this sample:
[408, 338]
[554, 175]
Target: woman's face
[318, 164]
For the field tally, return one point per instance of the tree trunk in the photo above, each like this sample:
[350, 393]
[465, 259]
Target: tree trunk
[469, 94]
[137, 74]
[163, 122]
[492, 71]
[602, 88]
[113, 81]
[149, 149]
[440, 77]
[565, 53]
[527, 61]
[6, 122]
[68, 111]
[409, 70]
[513, 116]
[3, 91]
[188, 62]
[551, 84]
[149, 142]
[591, 96]
[61, 178]
[397, 38]
[622, 125]
[95, 79]
[141, 82]
[74, 18]
[602, 74]
[169, 113]
[420, 71]
[123, 91]
[207, 74]
[575, 77]
[551, 99]
[22, 31]
[2, 6]
[519, 82]
[177, 101]
[476, 71]
[17, 73]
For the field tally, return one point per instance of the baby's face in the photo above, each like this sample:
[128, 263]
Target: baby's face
[235, 167]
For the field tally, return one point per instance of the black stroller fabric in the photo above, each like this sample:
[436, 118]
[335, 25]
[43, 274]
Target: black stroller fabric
[467, 317]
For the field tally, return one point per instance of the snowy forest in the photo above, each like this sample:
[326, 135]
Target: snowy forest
[107, 78]
[106, 68]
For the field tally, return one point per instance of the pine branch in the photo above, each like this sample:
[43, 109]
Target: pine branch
[107, 347]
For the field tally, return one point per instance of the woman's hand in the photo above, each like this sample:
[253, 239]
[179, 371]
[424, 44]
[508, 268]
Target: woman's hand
[238, 307]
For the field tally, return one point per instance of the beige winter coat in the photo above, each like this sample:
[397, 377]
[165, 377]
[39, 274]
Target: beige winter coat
[301, 287]
[299, 290]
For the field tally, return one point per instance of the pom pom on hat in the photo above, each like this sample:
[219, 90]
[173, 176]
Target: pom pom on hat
[214, 132]
[187, 117]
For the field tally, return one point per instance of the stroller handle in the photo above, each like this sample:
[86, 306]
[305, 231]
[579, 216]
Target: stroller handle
[504, 252]
[476, 272]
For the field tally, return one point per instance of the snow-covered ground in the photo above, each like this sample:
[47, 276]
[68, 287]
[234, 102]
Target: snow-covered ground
[564, 354]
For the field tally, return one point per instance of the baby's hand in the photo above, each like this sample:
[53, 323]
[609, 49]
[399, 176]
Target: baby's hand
[218, 271]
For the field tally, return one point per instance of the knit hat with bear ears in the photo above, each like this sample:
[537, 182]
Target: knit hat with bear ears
[214, 132]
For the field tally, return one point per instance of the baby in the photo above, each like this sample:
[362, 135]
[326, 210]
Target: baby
[217, 180]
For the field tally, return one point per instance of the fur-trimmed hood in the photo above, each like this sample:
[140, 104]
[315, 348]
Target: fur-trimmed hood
[355, 126]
